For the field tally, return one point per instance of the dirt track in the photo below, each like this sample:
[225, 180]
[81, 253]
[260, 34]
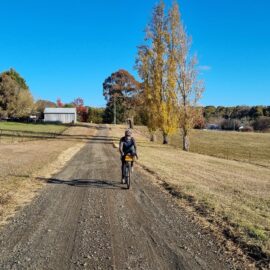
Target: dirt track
[85, 219]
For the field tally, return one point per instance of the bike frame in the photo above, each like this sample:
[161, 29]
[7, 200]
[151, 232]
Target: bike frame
[127, 170]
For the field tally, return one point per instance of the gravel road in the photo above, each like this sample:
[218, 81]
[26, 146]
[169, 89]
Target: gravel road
[85, 219]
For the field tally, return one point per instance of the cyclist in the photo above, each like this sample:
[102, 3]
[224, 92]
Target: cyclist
[127, 145]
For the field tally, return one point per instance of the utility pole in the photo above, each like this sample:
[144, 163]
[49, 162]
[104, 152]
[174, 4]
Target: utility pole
[114, 110]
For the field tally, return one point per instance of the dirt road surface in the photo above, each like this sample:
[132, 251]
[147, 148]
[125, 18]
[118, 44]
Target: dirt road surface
[85, 219]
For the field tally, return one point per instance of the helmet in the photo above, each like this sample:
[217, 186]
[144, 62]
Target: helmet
[128, 132]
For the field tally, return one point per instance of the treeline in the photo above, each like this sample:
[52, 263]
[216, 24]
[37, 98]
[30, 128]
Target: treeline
[237, 112]
[243, 118]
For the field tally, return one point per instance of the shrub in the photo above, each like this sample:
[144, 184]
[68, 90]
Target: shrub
[262, 123]
[230, 124]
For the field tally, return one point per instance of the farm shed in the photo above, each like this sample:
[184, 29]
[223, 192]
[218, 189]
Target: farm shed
[62, 115]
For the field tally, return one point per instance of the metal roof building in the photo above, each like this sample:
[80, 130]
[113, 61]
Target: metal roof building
[62, 115]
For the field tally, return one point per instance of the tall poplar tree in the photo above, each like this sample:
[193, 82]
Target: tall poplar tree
[156, 71]
[188, 88]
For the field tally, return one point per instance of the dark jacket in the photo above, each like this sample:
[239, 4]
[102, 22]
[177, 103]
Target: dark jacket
[127, 146]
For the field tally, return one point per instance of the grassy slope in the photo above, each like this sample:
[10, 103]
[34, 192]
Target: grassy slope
[230, 192]
[248, 147]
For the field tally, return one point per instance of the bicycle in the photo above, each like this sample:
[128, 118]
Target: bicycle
[127, 169]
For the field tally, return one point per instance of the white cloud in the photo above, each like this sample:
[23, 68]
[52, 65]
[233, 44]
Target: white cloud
[205, 68]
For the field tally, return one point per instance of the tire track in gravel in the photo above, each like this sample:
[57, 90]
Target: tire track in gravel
[85, 219]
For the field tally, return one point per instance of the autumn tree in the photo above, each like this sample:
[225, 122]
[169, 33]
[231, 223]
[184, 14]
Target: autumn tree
[82, 111]
[59, 103]
[120, 90]
[145, 66]
[157, 68]
[15, 97]
[41, 104]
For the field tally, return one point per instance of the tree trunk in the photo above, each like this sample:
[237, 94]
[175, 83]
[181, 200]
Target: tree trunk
[153, 137]
[131, 123]
[114, 110]
[165, 138]
[186, 143]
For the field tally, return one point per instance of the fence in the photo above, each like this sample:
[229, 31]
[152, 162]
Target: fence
[249, 153]
[12, 136]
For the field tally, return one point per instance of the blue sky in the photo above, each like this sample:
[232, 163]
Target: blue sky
[67, 48]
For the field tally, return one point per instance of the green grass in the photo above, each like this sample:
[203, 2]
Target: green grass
[248, 147]
[29, 127]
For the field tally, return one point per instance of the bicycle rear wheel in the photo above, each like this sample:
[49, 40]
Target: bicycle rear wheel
[127, 174]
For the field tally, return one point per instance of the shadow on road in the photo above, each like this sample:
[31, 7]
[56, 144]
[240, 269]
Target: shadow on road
[93, 183]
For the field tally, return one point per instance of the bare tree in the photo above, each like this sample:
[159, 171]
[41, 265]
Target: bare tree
[189, 89]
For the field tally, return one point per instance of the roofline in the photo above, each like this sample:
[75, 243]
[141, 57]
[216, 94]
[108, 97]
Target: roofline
[59, 112]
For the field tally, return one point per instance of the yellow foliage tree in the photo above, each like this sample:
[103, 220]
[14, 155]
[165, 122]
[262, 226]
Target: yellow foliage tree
[157, 71]
[171, 87]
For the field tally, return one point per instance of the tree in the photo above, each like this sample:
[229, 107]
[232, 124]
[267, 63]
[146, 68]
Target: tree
[189, 88]
[95, 115]
[145, 67]
[15, 97]
[59, 103]
[199, 120]
[156, 66]
[210, 111]
[256, 112]
[262, 123]
[120, 89]
[82, 111]
[14, 75]
[24, 104]
[40, 106]
[230, 124]
[266, 111]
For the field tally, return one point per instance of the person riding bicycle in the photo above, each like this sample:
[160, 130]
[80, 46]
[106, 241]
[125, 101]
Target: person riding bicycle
[127, 145]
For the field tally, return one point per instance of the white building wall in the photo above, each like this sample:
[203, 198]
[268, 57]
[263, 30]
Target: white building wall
[60, 117]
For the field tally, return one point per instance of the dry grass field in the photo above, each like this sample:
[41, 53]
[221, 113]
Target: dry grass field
[248, 147]
[22, 164]
[12, 132]
[235, 195]
[32, 127]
